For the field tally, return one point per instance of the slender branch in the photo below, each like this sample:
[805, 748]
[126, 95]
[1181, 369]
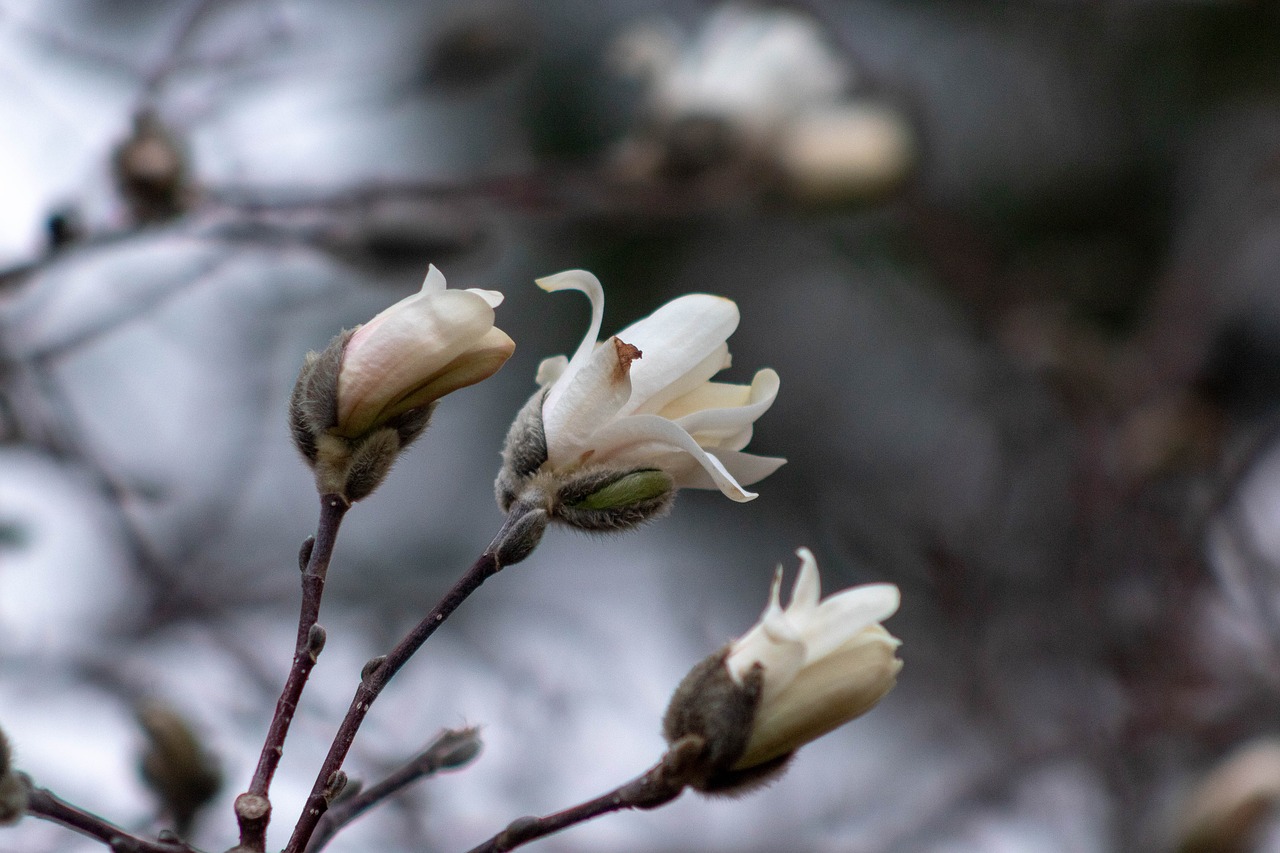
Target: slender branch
[253, 807]
[44, 804]
[654, 788]
[451, 750]
[379, 671]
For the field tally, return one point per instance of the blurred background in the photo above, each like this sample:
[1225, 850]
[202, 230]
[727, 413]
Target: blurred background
[1018, 265]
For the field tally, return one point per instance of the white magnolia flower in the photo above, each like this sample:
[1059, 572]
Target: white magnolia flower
[644, 399]
[423, 347]
[824, 662]
[749, 65]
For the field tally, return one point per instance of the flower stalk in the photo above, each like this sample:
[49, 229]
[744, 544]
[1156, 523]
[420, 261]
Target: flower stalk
[253, 809]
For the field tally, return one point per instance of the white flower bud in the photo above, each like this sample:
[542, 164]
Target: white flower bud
[415, 352]
[799, 673]
[823, 663]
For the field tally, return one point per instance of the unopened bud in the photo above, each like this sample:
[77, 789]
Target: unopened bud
[334, 785]
[315, 641]
[14, 787]
[175, 765]
[520, 534]
[606, 500]
[455, 748]
[371, 666]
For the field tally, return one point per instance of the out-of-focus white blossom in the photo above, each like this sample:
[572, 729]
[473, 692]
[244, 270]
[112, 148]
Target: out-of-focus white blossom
[423, 347]
[753, 66]
[643, 399]
[822, 662]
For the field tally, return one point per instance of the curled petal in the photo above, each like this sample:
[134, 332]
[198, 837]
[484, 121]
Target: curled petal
[639, 437]
[590, 285]
[845, 614]
[601, 387]
[808, 588]
[715, 426]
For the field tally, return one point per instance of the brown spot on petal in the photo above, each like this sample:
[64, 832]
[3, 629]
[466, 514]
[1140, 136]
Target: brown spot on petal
[626, 354]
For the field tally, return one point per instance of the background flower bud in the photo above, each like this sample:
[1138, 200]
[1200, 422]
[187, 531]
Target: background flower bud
[13, 787]
[175, 765]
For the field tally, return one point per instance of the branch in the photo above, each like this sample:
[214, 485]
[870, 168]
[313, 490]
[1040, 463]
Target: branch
[656, 787]
[452, 749]
[253, 808]
[380, 670]
[46, 805]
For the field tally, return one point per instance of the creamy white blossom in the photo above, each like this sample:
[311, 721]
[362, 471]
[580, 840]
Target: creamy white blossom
[644, 399]
[423, 347]
[823, 662]
[753, 66]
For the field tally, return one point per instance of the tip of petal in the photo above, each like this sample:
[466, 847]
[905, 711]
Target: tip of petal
[492, 297]
[571, 280]
[434, 280]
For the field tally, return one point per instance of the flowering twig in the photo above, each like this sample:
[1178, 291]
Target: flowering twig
[514, 542]
[450, 750]
[656, 787]
[253, 808]
[44, 804]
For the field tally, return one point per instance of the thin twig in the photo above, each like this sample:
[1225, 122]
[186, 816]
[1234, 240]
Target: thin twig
[252, 813]
[44, 804]
[380, 671]
[451, 750]
[648, 791]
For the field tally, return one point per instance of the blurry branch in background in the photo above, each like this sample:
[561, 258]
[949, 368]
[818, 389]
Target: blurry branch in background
[452, 749]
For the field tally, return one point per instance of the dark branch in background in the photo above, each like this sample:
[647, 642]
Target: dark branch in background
[648, 791]
[451, 750]
[45, 805]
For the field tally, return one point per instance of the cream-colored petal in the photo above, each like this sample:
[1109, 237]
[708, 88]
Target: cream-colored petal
[824, 696]
[710, 427]
[708, 395]
[808, 589]
[551, 369]
[585, 401]
[587, 283]
[845, 615]
[640, 438]
[773, 642]
[401, 349]
[479, 362]
[681, 335]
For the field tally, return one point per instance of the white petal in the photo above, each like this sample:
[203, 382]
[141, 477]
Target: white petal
[824, 696]
[585, 401]
[640, 439]
[403, 348]
[847, 614]
[746, 468]
[550, 369]
[590, 285]
[493, 297]
[773, 642]
[679, 385]
[712, 426]
[808, 588]
[433, 281]
[680, 335]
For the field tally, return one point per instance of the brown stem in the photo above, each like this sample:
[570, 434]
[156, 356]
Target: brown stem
[647, 791]
[254, 817]
[44, 804]
[449, 751]
[379, 671]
